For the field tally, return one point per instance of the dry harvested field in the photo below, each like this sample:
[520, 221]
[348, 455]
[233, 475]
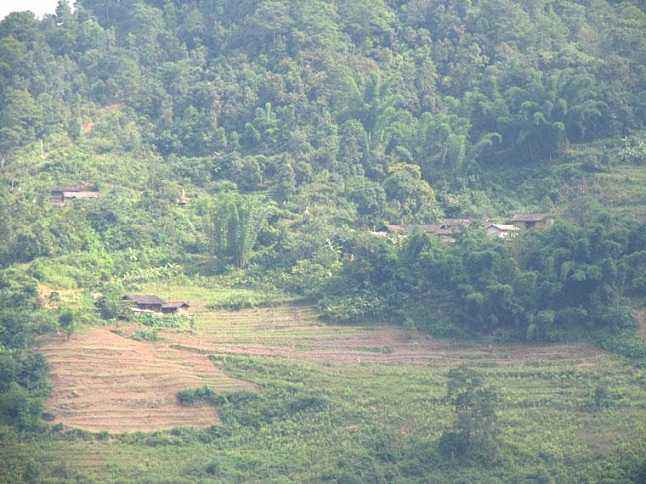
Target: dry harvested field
[105, 382]
[296, 332]
[373, 378]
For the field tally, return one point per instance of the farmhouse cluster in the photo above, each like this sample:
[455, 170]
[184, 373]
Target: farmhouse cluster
[153, 304]
[449, 229]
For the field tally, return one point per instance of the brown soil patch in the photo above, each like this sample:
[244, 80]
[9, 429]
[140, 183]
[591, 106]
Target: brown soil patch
[105, 382]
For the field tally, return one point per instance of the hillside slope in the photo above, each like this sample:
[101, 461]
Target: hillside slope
[250, 157]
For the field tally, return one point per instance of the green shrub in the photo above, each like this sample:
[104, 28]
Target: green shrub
[67, 321]
[111, 306]
[160, 321]
[195, 396]
[19, 408]
[353, 308]
[475, 433]
[146, 335]
[307, 403]
[600, 398]
[626, 344]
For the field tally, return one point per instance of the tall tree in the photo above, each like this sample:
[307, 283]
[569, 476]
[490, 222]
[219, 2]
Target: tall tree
[475, 432]
[237, 221]
[21, 120]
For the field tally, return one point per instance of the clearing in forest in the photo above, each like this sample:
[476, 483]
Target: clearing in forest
[105, 382]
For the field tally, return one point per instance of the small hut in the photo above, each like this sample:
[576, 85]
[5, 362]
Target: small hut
[446, 231]
[79, 192]
[174, 307]
[502, 231]
[145, 302]
[457, 223]
[531, 220]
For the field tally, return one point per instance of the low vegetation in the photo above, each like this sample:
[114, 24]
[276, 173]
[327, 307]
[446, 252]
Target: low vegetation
[312, 420]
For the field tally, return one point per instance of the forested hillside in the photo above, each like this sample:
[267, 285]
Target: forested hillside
[252, 153]
[294, 127]
[271, 95]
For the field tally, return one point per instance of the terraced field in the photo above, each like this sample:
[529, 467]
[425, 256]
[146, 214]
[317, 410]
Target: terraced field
[379, 384]
[106, 382]
[296, 332]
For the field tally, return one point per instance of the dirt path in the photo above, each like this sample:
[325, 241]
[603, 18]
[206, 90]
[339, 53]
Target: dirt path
[103, 381]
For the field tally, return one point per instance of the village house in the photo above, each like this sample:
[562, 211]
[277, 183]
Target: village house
[146, 303]
[502, 231]
[531, 220]
[446, 231]
[380, 234]
[83, 191]
[174, 307]
[399, 229]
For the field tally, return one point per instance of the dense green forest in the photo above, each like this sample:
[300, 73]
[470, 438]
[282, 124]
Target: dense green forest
[267, 144]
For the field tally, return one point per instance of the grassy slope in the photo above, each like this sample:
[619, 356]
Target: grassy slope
[372, 420]
[382, 421]
[623, 189]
